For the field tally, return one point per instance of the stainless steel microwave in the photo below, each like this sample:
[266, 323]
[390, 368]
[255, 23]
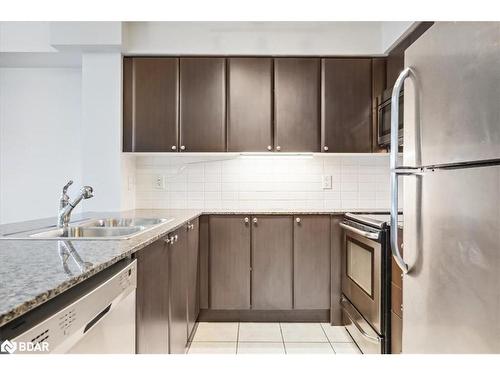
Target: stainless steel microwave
[384, 119]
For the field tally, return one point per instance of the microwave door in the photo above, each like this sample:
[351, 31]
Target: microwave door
[451, 110]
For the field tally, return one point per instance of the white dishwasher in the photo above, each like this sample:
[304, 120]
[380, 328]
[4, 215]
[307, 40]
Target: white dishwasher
[98, 318]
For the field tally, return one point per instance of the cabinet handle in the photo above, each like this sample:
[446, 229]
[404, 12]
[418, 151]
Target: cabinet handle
[176, 238]
[278, 148]
[269, 148]
[167, 240]
[255, 220]
[174, 147]
[325, 148]
[297, 220]
[247, 220]
[183, 147]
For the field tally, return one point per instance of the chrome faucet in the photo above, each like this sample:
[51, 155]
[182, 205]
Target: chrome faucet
[66, 207]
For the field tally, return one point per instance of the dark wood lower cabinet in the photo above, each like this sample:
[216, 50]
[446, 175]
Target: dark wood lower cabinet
[311, 258]
[272, 264]
[266, 263]
[178, 291]
[229, 262]
[152, 299]
[193, 305]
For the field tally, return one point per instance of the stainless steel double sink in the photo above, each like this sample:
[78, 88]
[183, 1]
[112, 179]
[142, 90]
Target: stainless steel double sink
[94, 229]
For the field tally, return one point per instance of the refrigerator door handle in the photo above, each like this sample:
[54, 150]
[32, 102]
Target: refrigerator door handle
[396, 253]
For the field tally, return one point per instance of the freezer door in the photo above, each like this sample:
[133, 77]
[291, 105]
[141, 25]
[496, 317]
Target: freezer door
[451, 296]
[452, 97]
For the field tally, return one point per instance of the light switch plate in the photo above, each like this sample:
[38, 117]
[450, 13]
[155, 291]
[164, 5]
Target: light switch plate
[326, 182]
[159, 182]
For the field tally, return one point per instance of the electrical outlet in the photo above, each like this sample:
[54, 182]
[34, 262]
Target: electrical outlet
[326, 182]
[159, 182]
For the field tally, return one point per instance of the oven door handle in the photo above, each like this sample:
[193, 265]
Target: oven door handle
[364, 233]
[375, 340]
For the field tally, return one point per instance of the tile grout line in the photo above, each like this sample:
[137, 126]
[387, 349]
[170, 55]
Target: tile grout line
[331, 345]
[282, 338]
[238, 338]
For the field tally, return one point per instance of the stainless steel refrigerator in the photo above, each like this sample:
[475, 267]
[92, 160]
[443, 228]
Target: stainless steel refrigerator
[451, 178]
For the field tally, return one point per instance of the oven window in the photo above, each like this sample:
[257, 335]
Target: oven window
[360, 265]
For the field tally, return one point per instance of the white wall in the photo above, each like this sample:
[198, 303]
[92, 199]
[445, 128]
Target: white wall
[254, 38]
[102, 161]
[265, 183]
[39, 140]
[25, 37]
[393, 32]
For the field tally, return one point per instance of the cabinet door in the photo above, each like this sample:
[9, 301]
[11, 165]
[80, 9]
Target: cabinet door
[150, 104]
[250, 104]
[193, 280]
[152, 299]
[229, 262]
[178, 292]
[203, 104]
[346, 105]
[272, 266]
[297, 104]
[311, 262]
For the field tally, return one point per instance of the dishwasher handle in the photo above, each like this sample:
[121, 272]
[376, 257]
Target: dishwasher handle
[97, 318]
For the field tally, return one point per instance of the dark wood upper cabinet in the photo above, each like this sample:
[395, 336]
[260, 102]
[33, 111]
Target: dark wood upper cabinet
[150, 104]
[311, 259]
[229, 258]
[272, 264]
[346, 105]
[297, 104]
[152, 299]
[249, 125]
[203, 104]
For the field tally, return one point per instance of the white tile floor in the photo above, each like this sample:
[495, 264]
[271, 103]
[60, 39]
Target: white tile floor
[271, 338]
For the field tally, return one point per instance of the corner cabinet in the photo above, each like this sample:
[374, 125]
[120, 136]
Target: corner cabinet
[346, 105]
[150, 104]
[297, 104]
[203, 104]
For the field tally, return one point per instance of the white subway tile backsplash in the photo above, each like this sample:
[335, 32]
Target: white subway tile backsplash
[267, 182]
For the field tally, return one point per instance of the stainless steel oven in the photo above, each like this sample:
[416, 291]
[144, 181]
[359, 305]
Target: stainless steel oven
[365, 281]
[384, 119]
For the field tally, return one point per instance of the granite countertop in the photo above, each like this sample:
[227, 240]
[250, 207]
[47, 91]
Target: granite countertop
[32, 272]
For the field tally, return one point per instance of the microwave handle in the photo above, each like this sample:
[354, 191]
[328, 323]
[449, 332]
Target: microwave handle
[396, 253]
